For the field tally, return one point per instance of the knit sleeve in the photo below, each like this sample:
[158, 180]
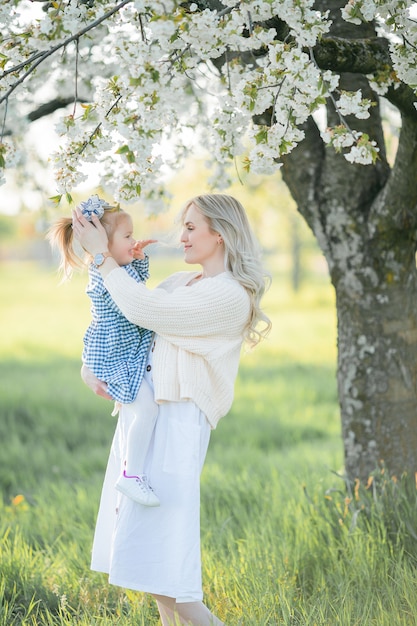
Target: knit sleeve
[217, 306]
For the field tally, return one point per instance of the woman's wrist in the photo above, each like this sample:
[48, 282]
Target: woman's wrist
[100, 257]
[108, 265]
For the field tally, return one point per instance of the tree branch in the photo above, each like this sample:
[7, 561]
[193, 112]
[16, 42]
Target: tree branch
[358, 56]
[403, 97]
[46, 109]
[63, 44]
[364, 56]
[399, 197]
[50, 107]
[301, 172]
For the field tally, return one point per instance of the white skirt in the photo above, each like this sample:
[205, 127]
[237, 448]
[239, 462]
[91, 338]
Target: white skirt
[156, 549]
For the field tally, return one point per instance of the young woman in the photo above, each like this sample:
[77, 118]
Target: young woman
[200, 320]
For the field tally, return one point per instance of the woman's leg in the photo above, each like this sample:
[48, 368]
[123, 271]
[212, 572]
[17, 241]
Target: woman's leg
[166, 608]
[187, 613]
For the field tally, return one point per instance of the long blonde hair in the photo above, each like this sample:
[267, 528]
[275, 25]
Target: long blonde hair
[227, 217]
[61, 237]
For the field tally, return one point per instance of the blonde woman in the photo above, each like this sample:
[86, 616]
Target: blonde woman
[200, 320]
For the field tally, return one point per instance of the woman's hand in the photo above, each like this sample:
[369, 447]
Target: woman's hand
[98, 386]
[91, 235]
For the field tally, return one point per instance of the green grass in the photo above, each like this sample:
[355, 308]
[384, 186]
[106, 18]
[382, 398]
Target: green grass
[282, 542]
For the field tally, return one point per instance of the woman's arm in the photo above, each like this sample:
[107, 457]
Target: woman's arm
[217, 306]
[213, 307]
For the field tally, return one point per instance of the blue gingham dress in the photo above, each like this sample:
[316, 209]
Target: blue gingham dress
[115, 350]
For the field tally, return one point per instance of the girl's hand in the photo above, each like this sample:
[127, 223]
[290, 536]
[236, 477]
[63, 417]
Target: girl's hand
[98, 386]
[139, 245]
[91, 235]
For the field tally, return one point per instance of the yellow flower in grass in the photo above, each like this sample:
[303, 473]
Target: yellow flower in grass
[19, 504]
[18, 500]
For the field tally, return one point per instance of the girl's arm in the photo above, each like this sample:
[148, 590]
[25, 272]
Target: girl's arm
[141, 267]
[139, 245]
[141, 260]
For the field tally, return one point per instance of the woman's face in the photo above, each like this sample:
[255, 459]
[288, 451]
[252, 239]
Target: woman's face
[122, 241]
[201, 245]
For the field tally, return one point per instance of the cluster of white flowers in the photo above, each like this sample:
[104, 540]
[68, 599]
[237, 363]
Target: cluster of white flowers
[404, 60]
[394, 17]
[362, 149]
[160, 72]
[351, 103]
[358, 11]
[364, 153]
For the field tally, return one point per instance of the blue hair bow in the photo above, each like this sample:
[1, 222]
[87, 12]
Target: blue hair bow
[93, 206]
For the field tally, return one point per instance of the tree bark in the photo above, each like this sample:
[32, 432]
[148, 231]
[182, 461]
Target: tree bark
[377, 373]
[364, 218]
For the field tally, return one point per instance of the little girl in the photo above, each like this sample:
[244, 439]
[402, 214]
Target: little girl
[116, 350]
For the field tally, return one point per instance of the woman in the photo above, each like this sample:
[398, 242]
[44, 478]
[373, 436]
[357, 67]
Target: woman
[200, 320]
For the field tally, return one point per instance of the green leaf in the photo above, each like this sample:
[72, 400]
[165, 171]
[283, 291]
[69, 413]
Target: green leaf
[135, 82]
[127, 152]
[56, 199]
[123, 149]
[262, 135]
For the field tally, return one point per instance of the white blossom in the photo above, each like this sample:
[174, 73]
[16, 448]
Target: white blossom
[364, 153]
[152, 69]
[353, 104]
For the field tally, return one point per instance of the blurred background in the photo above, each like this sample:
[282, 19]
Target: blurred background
[280, 441]
[27, 212]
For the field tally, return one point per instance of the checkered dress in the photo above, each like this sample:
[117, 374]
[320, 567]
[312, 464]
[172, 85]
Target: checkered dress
[115, 350]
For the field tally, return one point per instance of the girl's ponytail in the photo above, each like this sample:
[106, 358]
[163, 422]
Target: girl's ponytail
[61, 237]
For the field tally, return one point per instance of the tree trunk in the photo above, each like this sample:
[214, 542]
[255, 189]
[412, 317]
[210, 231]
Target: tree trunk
[365, 221]
[377, 364]
[373, 270]
[295, 253]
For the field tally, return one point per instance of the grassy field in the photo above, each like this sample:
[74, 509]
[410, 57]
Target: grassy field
[283, 543]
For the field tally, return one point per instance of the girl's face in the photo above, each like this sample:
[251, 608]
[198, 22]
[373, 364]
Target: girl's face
[122, 241]
[201, 244]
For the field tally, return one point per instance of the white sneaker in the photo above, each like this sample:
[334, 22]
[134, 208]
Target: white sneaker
[138, 489]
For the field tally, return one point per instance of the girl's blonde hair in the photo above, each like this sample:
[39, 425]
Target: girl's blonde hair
[227, 217]
[61, 237]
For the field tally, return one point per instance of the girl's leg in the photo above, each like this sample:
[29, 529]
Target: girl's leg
[132, 482]
[188, 613]
[140, 432]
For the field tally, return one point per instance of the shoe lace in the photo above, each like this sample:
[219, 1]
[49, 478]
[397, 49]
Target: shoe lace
[144, 483]
[145, 480]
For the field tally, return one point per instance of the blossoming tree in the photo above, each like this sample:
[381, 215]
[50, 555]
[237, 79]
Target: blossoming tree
[295, 84]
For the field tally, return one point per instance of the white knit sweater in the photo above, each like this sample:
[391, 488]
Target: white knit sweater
[200, 333]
